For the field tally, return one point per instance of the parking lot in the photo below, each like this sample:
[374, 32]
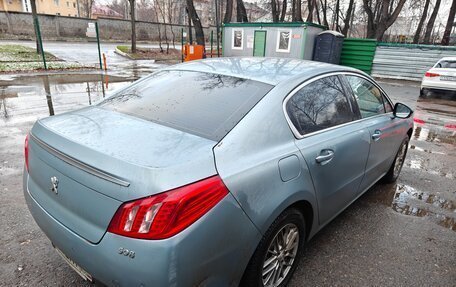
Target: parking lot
[401, 234]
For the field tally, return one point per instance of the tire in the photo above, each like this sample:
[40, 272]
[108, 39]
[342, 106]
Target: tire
[422, 94]
[290, 222]
[395, 169]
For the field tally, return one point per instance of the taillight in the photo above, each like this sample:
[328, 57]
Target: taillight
[419, 121]
[450, 126]
[166, 214]
[26, 152]
[431, 75]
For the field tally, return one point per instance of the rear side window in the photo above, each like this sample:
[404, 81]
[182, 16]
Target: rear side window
[207, 105]
[368, 96]
[446, 64]
[319, 105]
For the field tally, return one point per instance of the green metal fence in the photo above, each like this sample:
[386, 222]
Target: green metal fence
[407, 61]
[358, 53]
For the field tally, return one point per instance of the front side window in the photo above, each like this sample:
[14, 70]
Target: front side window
[388, 107]
[319, 105]
[368, 96]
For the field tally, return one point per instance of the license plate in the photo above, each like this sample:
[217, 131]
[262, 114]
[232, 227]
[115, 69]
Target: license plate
[84, 274]
[447, 78]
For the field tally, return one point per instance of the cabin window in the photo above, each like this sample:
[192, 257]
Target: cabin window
[238, 39]
[283, 41]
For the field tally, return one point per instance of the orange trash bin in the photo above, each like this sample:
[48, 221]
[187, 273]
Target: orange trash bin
[193, 52]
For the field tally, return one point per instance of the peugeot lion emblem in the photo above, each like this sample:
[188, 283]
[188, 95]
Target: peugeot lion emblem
[55, 184]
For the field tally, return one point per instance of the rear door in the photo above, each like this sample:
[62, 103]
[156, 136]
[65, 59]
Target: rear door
[385, 134]
[334, 144]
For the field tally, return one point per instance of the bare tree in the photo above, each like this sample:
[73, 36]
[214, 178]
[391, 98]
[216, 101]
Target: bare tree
[35, 25]
[118, 6]
[145, 11]
[430, 24]
[284, 10]
[324, 10]
[416, 38]
[296, 11]
[228, 11]
[278, 9]
[348, 17]
[449, 25]
[199, 33]
[275, 13]
[381, 14]
[87, 7]
[155, 9]
[158, 7]
[335, 23]
[241, 12]
[133, 26]
[172, 8]
[317, 12]
[310, 7]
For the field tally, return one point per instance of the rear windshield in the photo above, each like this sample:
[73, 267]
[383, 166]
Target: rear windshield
[208, 105]
[446, 64]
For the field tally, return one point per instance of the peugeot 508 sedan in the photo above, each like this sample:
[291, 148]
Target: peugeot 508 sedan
[212, 172]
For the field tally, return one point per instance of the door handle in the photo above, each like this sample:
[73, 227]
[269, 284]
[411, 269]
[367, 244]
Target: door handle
[376, 135]
[325, 156]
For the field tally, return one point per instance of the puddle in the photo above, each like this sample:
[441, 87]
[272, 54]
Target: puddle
[425, 165]
[434, 134]
[410, 201]
[425, 150]
[30, 97]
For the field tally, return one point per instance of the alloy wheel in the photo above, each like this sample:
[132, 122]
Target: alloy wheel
[281, 255]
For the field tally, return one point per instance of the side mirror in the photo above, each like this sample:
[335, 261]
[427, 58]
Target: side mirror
[402, 111]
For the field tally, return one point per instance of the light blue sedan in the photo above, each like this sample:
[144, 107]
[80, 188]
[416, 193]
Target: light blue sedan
[212, 172]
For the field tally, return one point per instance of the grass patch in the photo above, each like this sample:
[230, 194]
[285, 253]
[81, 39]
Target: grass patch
[151, 53]
[37, 66]
[124, 49]
[18, 58]
[18, 53]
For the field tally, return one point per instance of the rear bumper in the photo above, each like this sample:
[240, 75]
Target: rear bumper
[428, 92]
[214, 251]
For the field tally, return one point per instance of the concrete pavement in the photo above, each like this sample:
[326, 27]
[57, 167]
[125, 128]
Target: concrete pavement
[82, 52]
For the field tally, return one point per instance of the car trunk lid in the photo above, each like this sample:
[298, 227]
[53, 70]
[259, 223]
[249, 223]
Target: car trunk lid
[102, 158]
[445, 74]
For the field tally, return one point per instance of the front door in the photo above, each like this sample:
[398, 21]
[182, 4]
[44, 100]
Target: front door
[384, 138]
[259, 44]
[334, 145]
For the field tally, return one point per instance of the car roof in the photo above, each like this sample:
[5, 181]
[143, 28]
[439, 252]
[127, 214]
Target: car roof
[448, 59]
[267, 70]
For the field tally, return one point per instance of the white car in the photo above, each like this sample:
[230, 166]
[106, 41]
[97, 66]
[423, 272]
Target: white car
[440, 79]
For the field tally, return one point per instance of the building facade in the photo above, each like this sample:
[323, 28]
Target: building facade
[105, 12]
[52, 7]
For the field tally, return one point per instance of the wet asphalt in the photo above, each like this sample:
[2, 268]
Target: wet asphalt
[401, 234]
[85, 52]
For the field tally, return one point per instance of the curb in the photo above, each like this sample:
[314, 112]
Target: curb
[119, 52]
[123, 54]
